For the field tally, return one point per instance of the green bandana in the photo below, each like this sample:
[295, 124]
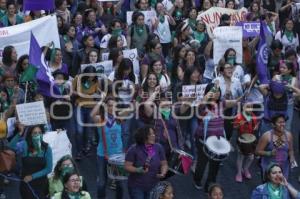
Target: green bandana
[231, 60]
[74, 195]
[108, 11]
[275, 193]
[10, 92]
[153, 3]
[37, 142]
[271, 27]
[116, 32]
[65, 170]
[28, 74]
[199, 36]
[161, 18]
[289, 35]
[139, 30]
[166, 112]
[86, 85]
[178, 13]
[192, 23]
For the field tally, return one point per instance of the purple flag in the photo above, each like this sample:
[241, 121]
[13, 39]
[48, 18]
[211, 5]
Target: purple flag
[38, 5]
[44, 77]
[250, 29]
[262, 55]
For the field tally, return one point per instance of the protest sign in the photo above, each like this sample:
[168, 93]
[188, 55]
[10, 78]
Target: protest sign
[188, 91]
[11, 126]
[32, 113]
[105, 67]
[228, 37]
[132, 54]
[194, 91]
[212, 16]
[149, 15]
[44, 30]
[59, 143]
[200, 88]
[104, 56]
[250, 29]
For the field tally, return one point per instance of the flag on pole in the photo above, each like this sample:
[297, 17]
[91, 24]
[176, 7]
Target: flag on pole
[38, 5]
[43, 76]
[262, 55]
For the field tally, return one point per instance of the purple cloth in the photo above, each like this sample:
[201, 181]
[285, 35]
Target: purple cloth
[277, 87]
[250, 29]
[38, 5]
[43, 75]
[262, 55]
[137, 154]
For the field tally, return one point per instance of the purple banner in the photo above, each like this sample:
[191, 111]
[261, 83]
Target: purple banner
[38, 5]
[250, 29]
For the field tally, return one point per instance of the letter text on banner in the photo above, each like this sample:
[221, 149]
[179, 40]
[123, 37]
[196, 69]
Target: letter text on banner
[32, 113]
[228, 37]
[250, 29]
[212, 16]
[44, 29]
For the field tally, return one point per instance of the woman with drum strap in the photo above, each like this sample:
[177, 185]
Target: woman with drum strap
[246, 124]
[214, 127]
[110, 143]
[276, 146]
[146, 163]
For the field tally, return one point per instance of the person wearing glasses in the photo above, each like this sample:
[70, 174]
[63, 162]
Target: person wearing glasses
[36, 162]
[72, 188]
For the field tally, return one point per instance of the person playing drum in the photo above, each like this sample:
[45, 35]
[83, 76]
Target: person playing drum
[110, 143]
[215, 127]
[246, 124]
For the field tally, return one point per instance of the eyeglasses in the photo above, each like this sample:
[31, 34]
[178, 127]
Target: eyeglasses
[75, 180]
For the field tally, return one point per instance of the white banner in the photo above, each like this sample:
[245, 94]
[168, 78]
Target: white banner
[212, 16]
[105, 67]
[59, 143]
[228, 37]
[149, 15]
[32, 113]
[44, 30]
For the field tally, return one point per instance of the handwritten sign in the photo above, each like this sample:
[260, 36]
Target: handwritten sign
[132, 54]
[149, 15]
[59, 143]
[104, 67]
[250, 29]
[212, 16]
[194, 91]
[228, 37]
[32, 113]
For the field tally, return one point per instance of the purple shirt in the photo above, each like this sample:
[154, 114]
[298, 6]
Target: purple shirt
[137, 154]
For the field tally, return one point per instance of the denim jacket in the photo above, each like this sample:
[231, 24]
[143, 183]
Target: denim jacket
[261, 192]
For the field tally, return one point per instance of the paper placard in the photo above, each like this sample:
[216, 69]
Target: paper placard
[196, 91]
[105, 67]
[104, 56]
[132, 54]
[59, 143]
[32, 113]
[228, 37]
[11, 126]
[149, 15]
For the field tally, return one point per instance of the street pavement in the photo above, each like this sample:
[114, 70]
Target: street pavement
[183, 185]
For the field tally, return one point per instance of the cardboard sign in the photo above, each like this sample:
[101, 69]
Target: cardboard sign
[104, 67]
[59, 143]
[212, 16]
[228, 37]
[32, 113]
[194, 91]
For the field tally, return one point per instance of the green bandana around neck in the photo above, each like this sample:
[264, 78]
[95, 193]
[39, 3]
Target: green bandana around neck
[65, 170]
[139, 30]
[199, 36]
[117, 32]
[161, 18]
[74, 195]
[275, 193]
[289, 35]
[86, 85]
[37, 142]
[166, 112]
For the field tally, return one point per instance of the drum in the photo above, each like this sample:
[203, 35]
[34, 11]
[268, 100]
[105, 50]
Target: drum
[115, 167]
[180, 162]
[247, 143]
[216, 148]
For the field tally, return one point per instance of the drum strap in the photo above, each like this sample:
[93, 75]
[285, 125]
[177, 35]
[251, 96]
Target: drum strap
[206, 120]
[167, 133]
[104, 143]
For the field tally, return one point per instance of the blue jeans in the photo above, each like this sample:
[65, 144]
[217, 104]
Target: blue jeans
[136, 193]
[83, 136]
[102, 180]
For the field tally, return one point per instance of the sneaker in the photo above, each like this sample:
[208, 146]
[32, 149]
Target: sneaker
[197, 186]
[247, 174]
[239, 178]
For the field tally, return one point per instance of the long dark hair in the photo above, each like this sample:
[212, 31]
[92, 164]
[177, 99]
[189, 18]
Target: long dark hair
[89, 69]
[284, 29]
[28, 138]
[125, 64]
[141, 134]
[87, 58]
[145, 85]
[114, 54]
[226, 54]
[187, 74]
[6, 55]
[19, 66]
[57, 169]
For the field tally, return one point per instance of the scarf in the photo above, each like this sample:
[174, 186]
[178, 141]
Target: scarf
[178, 13]
[161, 18]
[86, 85]
[199, 36]
[150, 150]
[139, 30]
[289, 35]
[74, 195]
[192, 23]
[275, 193]
[110, 120]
